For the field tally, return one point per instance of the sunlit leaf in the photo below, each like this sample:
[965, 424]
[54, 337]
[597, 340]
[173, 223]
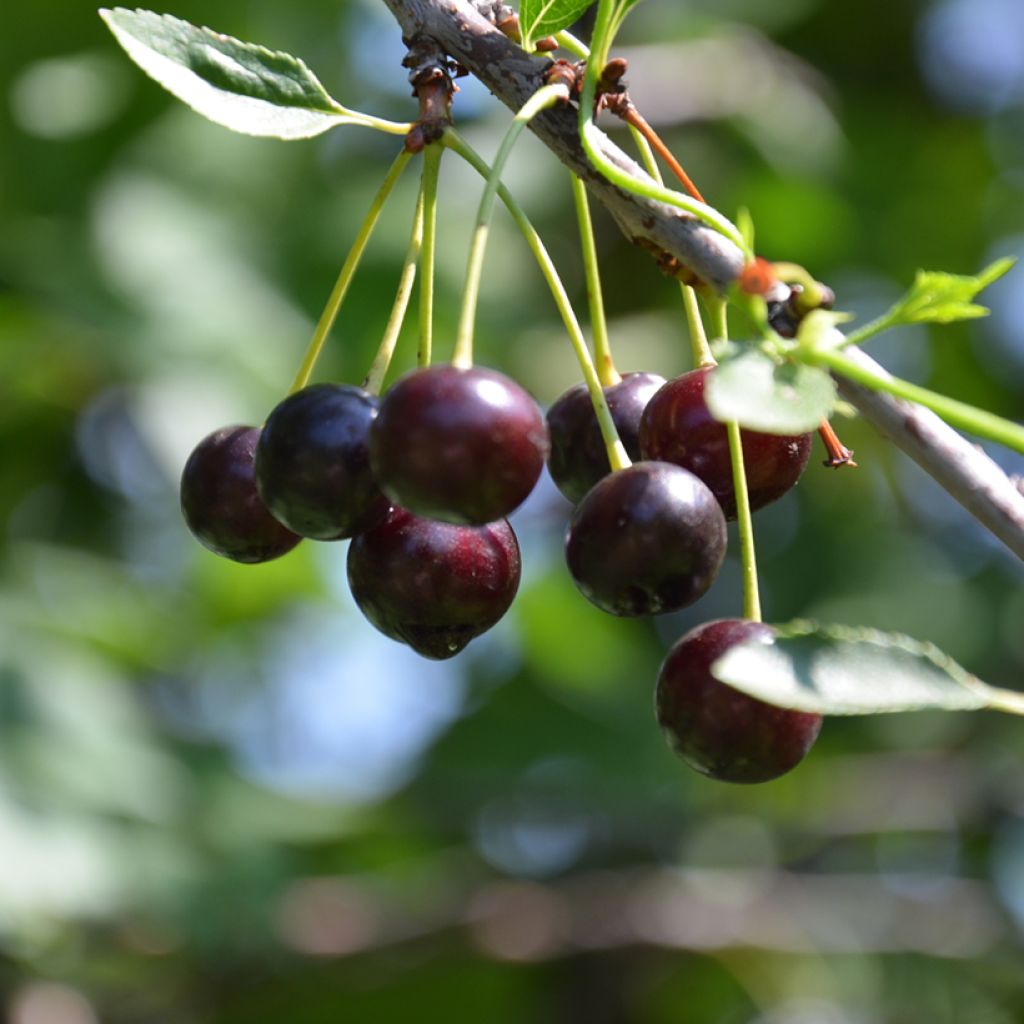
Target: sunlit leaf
[936, 297]
[841, 670]
[239, 85]
[540, 18]
[761, 394]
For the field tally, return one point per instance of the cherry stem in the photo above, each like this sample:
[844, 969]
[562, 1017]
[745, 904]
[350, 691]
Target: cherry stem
[617, 457]
[347, 272]
[744, 521]
[606, 371]
[567, 41]
[699, 346]
[544, 97]
[428, 190]
[604, 31]
[636, 120]
[958, 414]
[793, 273]
[382, 360]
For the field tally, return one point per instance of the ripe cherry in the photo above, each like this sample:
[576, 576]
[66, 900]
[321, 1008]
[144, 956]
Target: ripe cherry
[433, 585]
[221, 504]
[647, 539]
[460, 445]
[718, 730]
[313, 462]
[678, 427]
[578, 458]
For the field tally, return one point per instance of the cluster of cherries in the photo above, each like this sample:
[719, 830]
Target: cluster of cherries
[422, 479]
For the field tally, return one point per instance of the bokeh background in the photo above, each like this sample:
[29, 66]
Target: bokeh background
[225, 798]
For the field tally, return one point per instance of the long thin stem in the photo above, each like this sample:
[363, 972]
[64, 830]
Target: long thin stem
[718, 309]
[606, 371]
[744, 521]
[379, 124]
[699, 346]
[636, 120]
[382, 360]
[543, 98]
[751, 595]
[695, 322]
[1005, 700]
[617, 457]
[347, 272]
[958, 414]
[431, 167]
[604, 30]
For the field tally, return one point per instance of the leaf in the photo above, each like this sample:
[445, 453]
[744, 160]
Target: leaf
[745, 226]
[239, 85]
[760, 394]
[941, 298]
[841, 670]
[540, 18]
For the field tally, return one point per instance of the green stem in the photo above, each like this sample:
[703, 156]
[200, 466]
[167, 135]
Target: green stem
[382, 360]
[431, 167]
[606, 371]
[347, 272]
[748, 557]
[718, 309]
[604, 31]
[546, 96]
[617, 457]
[1005, 700]
[698, 338]
[379, 124]
[957, 414]
[868, 331]
[567, 41]
[751, 596]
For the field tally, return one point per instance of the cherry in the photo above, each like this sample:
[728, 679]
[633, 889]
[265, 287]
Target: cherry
[313, 462]
[433, 585]
[460, 445]
[221, 504]
[578, 458]
[678, 427]
[647, 539]
[718, 730]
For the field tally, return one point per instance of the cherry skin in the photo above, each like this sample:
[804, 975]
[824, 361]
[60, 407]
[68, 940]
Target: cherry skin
[460, 445]
[578, 458]
[678, 427]
[220, 502]
[313, 462]
[433, 585]
[645, 540]
[720, 731]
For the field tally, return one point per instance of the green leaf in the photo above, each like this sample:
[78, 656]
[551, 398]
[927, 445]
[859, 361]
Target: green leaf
[941, 298]
[761, 394]
[540, 18]
[239, 85]
[745, 226]
[841, 670]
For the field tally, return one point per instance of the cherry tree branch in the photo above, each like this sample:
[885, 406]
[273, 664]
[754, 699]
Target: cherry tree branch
[513, 76]
[465, 31]
[963, 469]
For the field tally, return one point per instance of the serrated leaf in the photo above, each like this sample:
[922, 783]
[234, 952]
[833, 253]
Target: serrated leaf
[540, 18]
[239, 85]
[940, 298]
[760, 394]
[841, 670]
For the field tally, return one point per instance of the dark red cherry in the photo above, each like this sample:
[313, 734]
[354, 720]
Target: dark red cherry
[678, 427]
[719, 731]
[578, 458]
[221, 504]
[433, 585]
[460, 445]
[647, 539]
[313, 462]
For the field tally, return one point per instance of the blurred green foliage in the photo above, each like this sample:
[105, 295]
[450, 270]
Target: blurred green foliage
[224, 798]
